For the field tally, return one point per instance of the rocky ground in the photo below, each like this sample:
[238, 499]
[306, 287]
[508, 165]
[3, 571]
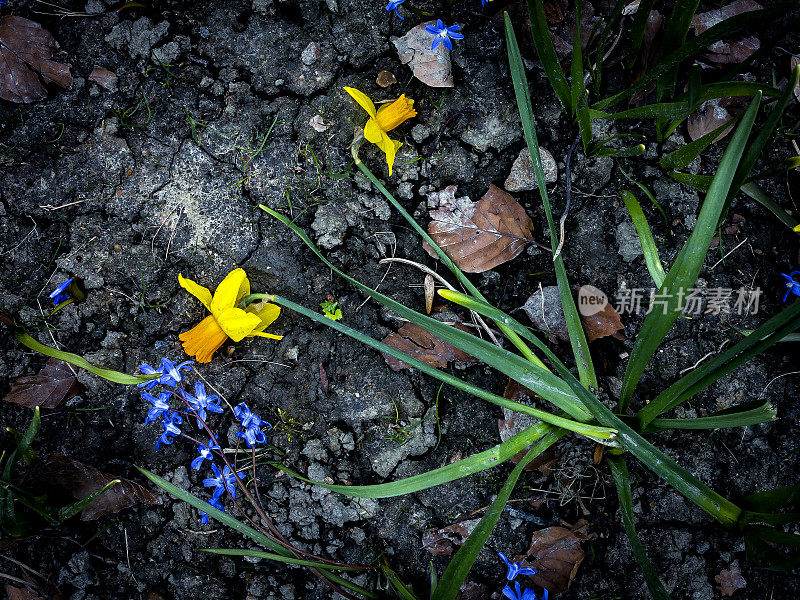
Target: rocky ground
[160, 172]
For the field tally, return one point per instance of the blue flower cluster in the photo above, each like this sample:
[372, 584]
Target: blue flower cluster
[515, 569]
[792, 286]
[171, 375]
[440, 32]
[60, 294]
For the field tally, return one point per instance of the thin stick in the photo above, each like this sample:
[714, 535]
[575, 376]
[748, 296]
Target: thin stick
[568, 196]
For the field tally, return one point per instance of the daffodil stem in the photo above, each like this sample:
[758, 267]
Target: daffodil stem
[511, 335]
[247, 300]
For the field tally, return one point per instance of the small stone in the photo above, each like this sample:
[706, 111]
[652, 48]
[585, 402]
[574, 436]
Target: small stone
[522, 177]
[104, 78]
[630, 248]
[419, 132]
[311, 54]
[94, 7]
[385, 79]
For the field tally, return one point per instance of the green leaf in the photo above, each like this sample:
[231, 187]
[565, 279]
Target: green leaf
[748, 413]
[397, 584]
[547, 53]
[771, 332]
[580, 104]
[619, 471]
[456, 572]
[674, 37]
[462, 468]
[277, 558]
[70, 510]
[580, 346]
[637, 31]
[681, 157]
[686, 268]
[762, 546]
[649, 248]
[773, 500]
[647, 193]
[79, 361]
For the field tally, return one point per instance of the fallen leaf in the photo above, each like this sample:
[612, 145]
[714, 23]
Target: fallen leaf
[728, 51]
[544, 310]
[729, 580]
[555, 11]
[478, 236]
[712, 114]
[431, 67]
[104, 78]
[514, 422]
[18, 593]
[422, 345]
[47, 389]
[442, 542]
[26, 50]
[430, 291]
[318, 123]
[602, 323]
[72, 478]
[556, 554]
[385, 79]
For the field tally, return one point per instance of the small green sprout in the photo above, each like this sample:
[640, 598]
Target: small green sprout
[330, 309]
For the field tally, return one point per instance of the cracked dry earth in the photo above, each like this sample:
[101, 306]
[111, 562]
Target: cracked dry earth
[161, 173]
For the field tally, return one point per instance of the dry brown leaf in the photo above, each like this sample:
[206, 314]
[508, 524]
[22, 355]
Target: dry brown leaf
[555, 11]
[556, 554]
[22, 593]
[728, 51]
[430, 292]
[729, 580]
[442, 542]
[104, 78]
[545, 312]
[74, 479]
[601, 324]
[712, 114]
[418, 343]
[481, 235]
[385, 79]
[47, 389]
[431, 67]
[26, 50]
[318, 123]
[514, 422]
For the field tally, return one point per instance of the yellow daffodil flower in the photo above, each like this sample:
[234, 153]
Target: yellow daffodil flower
[383, 120]
[226, 320]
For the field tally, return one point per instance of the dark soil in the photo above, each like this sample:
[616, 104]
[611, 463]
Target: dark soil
[126, 189]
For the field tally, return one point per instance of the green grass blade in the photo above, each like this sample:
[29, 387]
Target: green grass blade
[686, 268]
[649, 248]
[577, 337]
[647, 193]
[619, 471]
[79, 361]
[674, 37]
[637, 150]
[553, 389]
[278, 558]
[580, 105]
[681, 157]
[613, 20]
[684, 482]
[723, 30]
[456, 572]
[773, 500]
[217, 514]
[394, 580]
[462, 468]
[69, 511]
[771, 332]
[750, 413]
[547, 53]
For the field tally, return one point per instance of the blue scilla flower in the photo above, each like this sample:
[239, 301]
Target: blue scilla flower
[170, 425]
[225, 480]
[793, 287]
[442, 34]
[515, 568]
[172, 371]
[393, 6]
[252, 425]
[59, 294]
[160, 408]
[216, 504]
[528, 594]
[204, 453]
[201, 402]
[148, 370]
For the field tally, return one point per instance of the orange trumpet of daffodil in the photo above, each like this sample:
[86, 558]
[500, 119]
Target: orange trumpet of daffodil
[382, 120]
[226, 320]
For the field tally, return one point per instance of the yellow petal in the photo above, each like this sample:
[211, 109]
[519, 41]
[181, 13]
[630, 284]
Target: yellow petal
[195, 289]
[266, 312]
[390, 148]
[362, 99]
[233, 288]
[203, 339]
[237, 323]
[373, 132]
[391, 115]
